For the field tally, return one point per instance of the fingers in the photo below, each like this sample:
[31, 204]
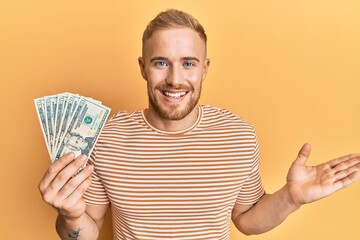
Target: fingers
[67, 173]
[74, 206]
[77, 193]
[337, 161]
[350, 177]
[304, 153]
[54, 169]
[345, 163]
[76, 182]
[346, 169]
[59, 174]
[73, 198]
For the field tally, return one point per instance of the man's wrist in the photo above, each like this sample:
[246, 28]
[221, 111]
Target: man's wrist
[291, 202]
[69, 227]
[70, 219]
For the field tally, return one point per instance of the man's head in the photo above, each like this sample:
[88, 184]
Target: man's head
[172, 19]
[174, 64]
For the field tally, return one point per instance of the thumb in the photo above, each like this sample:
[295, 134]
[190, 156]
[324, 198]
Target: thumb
[303, 154]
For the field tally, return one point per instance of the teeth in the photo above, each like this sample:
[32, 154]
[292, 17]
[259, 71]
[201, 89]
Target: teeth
[174, 95]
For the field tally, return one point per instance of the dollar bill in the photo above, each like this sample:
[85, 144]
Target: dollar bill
[41, 115]
[83, 133]
[64, 119]
[61, 101]
[70, 123]
[50, 125]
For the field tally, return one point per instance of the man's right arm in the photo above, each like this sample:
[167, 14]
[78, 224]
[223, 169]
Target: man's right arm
[85, 227]
[62, 188]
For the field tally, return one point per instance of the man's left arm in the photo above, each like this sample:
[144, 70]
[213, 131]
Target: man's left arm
[305, 184]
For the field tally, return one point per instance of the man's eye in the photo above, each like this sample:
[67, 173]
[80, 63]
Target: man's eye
[160, 64]
[188, 64]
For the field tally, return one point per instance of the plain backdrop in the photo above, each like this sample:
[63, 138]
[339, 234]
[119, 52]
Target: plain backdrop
[291, 68]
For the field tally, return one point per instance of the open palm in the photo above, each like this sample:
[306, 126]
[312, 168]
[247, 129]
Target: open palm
[310, 183]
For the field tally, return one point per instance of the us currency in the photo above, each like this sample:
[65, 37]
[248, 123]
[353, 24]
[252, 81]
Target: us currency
[68, 106]
[61, 101]
[50, 124]
[70, 123]
[84, 130]
[78, 105]
[43, 123]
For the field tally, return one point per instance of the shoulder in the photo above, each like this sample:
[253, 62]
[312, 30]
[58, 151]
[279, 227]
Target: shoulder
[226, 125]
[124, 118]
[121, 125]
[214, 116]
[125, 115]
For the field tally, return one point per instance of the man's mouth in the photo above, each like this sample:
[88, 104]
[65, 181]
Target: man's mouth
[174, 95]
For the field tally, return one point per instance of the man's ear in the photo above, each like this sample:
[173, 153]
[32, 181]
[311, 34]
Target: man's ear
[142, 67]
[205, 69]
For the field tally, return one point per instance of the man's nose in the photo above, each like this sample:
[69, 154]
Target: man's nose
[175, 76]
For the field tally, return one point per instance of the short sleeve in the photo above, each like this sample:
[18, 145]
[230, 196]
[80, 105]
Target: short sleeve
[252, 189]
[96, 193]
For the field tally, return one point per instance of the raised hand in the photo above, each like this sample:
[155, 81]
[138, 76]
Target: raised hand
[63, 189]
[310, 183]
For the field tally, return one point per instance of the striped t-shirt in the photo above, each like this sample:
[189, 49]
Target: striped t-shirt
[175, 185]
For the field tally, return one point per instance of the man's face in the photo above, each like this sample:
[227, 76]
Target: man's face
[174, 65]
[77, 141]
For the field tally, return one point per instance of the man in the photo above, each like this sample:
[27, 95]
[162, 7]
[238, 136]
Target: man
[177, 170]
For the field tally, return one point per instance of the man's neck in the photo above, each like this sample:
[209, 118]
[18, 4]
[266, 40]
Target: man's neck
[155, 120]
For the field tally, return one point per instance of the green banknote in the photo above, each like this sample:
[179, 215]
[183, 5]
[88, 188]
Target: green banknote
[70, 123]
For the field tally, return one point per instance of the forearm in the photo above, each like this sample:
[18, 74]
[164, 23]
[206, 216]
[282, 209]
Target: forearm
[269, 212]
[83, 227]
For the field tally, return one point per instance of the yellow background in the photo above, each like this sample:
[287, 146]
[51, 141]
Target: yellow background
[292, 68]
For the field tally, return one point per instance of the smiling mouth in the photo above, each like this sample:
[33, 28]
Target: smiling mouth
[174, 95]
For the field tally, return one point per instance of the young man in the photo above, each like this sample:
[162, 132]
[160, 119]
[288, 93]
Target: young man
[177, 170]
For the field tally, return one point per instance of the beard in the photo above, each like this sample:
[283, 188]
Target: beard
[172, 111]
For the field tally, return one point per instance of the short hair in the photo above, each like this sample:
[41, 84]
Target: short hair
[173, 18]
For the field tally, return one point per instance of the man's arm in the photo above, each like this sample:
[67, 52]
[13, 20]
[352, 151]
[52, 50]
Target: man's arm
[305, 184]
[269, 212]
[87, 226]
[63, 188]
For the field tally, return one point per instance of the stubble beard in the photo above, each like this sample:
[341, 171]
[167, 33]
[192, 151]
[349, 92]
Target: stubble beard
[171, 112]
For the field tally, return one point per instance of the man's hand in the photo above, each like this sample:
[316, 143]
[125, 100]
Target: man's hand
[305, 184]
[310, 183]
[63, 189]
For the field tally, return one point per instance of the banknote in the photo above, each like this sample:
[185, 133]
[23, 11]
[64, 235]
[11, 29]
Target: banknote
[70, 123]
[43, 124]
[61, 101]
[63, 119]
[50, 126]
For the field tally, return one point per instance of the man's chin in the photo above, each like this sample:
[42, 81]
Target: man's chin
[174, 116]
[174, 113]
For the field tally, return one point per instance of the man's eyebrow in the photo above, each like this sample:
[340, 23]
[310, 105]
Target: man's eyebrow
[191, 58]
[158, 58]
[166, 59]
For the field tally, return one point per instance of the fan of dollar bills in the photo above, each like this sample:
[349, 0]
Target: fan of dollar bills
[70, 123]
